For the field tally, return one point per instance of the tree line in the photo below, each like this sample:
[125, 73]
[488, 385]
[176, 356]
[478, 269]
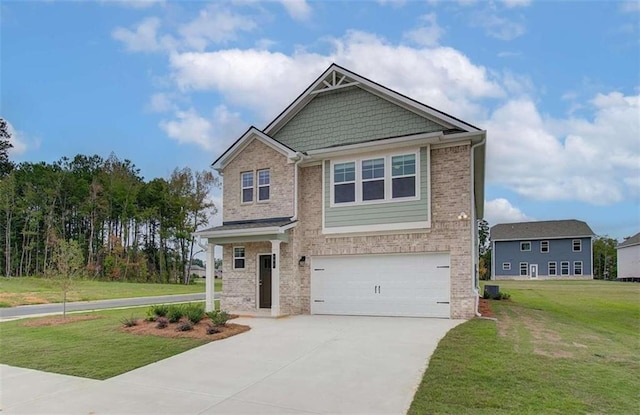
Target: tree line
[128, 229]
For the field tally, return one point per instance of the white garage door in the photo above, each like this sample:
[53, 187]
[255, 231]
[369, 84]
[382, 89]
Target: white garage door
[416, 285]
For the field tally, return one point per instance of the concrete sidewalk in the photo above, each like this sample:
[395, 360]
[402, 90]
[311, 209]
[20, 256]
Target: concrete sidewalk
[295, 365]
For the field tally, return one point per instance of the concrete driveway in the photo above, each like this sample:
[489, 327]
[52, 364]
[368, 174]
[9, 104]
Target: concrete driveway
[294, 365]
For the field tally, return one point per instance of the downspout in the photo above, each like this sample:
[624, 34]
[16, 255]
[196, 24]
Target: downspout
[474, 227]
[300, 158]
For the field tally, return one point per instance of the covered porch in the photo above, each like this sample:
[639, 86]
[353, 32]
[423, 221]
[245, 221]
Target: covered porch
[251, 263]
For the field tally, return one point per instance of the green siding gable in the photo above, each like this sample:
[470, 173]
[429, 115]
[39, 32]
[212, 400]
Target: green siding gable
[348, 116]
[378, 213]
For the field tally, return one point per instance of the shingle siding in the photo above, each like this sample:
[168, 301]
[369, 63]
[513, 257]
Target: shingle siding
[348, 116]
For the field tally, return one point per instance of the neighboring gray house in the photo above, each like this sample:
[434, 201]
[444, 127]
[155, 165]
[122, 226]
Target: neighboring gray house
[629, 257]
[197, 270]
[556, 249]
[355, 200]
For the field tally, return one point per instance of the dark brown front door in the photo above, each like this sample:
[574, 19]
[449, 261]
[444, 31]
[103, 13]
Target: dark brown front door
[265, 281]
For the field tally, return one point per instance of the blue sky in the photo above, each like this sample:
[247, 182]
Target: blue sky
[168, 84]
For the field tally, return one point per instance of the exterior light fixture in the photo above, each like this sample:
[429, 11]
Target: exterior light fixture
[302, 261]
[463, 216]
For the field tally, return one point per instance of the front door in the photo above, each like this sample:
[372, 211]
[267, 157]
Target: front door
[264, 281]
[533, 271]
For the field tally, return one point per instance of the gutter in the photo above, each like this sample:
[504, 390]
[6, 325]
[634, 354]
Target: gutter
[474, 226]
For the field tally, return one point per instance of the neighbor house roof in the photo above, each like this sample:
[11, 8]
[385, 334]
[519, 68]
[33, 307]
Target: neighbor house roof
[634, 240]
[551, 229]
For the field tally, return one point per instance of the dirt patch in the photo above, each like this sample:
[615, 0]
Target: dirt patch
[148, 328]
[57, 320]
[484, 308]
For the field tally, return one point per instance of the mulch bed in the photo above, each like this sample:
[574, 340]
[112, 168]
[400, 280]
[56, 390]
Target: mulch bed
[484, 308]
[148, 328]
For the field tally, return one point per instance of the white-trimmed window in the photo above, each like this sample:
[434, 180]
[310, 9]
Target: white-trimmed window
[564, 268]
[239, 259]
[525, 246]
[264, 185]
[246, 182]
[344, 179]
[577, 267]
[577, 245]
[544, 246]
[373, 179]
[506, 266]
[524, 268]
[553, 268]
[403, 172]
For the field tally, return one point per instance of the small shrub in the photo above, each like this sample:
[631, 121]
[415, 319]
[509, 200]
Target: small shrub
[160, 310]
[218, 318]
[151, 315]
[162, 322]
[184, 326]
[194, 312]
[129, 321]
[175, 313]
[486, 295]
[502, 295]
[211, 329]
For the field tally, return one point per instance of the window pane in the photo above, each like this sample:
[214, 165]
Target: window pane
[373, 190]
[263, 177]
[524, 268]
[372, 169]
[238, 252]
[238, 263]
[344, 193]
[344, 172]
[247, 195]
[403, 165]
[263, 193]
[404, 187]
[247, 179]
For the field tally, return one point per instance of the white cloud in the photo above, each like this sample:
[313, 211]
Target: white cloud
[589, 160]
[392, 3]
[427, 34]
[516, 3]
[143, 37]
[213, 133]
[632, 6]
[134, 4]
[499, 27]
[160, 102]
[500, 210]
[297, 9]
[245, 77]
[19, 141]
[214, 24]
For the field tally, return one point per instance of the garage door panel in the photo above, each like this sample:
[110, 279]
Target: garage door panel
[387, 285]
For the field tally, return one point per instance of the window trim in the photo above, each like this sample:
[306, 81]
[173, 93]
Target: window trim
[243, 187]
[375, 179]
[568, 264]
[581, 268]
[555, 268]
[573, 245]
[544, 243]
[526, 269]
[525, 242]
[258, 185]
[244, 257]
[506, 266]
[387, 156]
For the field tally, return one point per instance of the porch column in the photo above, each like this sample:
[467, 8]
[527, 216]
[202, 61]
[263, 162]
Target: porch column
[275, 278]
[210, 278]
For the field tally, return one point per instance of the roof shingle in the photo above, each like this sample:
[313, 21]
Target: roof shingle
[570, 228]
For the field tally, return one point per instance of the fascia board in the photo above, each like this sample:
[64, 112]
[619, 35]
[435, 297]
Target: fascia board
[244, 141]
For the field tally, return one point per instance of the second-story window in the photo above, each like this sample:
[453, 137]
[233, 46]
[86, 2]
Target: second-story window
[373, 179]
[525, 246]
[544, 246]
[247, 186]
[403, 171]
[264, 184]
[577, 245]
[344, 179]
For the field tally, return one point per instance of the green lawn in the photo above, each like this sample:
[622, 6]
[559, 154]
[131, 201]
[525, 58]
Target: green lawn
[558, 347]
[94, 348]
[28, 290]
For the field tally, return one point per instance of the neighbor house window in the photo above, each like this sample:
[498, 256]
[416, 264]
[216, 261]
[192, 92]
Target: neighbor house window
[577, 245]
[524, 268]
[506, 266]
[553, 268]
[238, 257]
[344, 179]
[247, 186]
[525, 246]
[544, 246]
[264, 183]
[373, 179]
[403, 172]
[577, 268]
[564, 268]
